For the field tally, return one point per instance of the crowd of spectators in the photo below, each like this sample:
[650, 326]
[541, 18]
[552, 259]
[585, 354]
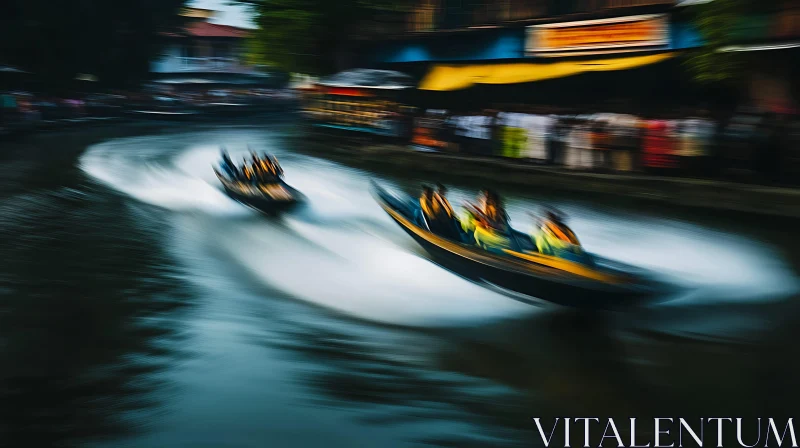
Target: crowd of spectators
[746, 145]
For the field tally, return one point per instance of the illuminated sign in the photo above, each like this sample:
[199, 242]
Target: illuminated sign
[645, 32]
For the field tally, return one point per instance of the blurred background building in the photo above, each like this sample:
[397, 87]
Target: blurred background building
[481, 36]
[204, 54]
[685, 86]
[202, 46]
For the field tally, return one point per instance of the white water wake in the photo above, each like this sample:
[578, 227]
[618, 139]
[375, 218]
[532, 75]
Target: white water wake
[342, 252]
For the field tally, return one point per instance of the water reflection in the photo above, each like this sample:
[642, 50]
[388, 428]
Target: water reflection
[98, 289]
[85, 295]
[482, 385]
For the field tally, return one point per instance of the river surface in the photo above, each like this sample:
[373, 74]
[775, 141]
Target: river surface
[141, 307]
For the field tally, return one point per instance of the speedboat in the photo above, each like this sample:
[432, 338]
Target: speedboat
[266, 197]
[592, 282]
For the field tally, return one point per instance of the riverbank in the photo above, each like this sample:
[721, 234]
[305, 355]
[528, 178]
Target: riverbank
[206, 113]
[692, 194]
[683, 192]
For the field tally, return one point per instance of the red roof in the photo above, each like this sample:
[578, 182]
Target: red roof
[205, 29]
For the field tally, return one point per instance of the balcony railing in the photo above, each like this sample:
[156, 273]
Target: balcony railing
[208, 64]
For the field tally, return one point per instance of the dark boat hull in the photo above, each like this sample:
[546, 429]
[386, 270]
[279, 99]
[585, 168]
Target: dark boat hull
[261, 202]
[529, 278]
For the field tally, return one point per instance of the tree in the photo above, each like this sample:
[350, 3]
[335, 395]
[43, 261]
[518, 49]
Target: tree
[112, 40]
[717, 21]
[309, 36]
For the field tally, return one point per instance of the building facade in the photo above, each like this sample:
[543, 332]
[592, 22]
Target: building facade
[462, 30]
[204, 53]
[498, 42]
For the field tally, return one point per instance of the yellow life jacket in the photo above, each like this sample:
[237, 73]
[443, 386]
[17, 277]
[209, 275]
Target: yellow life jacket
[553, 236]
[489, 239]
[561, 233]
[264, 166]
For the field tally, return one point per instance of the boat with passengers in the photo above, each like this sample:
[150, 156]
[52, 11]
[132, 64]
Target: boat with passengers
[513, 261]
[257, 183]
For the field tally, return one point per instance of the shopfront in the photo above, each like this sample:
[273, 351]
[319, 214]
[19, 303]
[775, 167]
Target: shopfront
[626, 65]
[367, 102]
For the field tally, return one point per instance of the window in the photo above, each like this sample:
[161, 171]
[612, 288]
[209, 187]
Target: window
[422, 17]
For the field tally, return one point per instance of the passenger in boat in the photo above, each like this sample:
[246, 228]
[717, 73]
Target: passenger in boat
[440, 198]
[553, 237]
[255, 167]
[491, 227]
[473, 212]
[436, 216]
[426, 203]
[254, 163]
[276, 165]
[248, 174]
[266, 170]
[495, 212]
[228, 166]
[480, 204]
[263, 165]
[445, 222]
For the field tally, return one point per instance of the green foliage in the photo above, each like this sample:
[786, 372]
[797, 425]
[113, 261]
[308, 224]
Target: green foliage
[717, 22]
[305, 35]
[111, 39]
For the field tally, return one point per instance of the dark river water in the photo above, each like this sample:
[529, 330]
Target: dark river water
[140, 307]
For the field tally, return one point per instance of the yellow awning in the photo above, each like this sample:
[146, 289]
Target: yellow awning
[454, 77]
